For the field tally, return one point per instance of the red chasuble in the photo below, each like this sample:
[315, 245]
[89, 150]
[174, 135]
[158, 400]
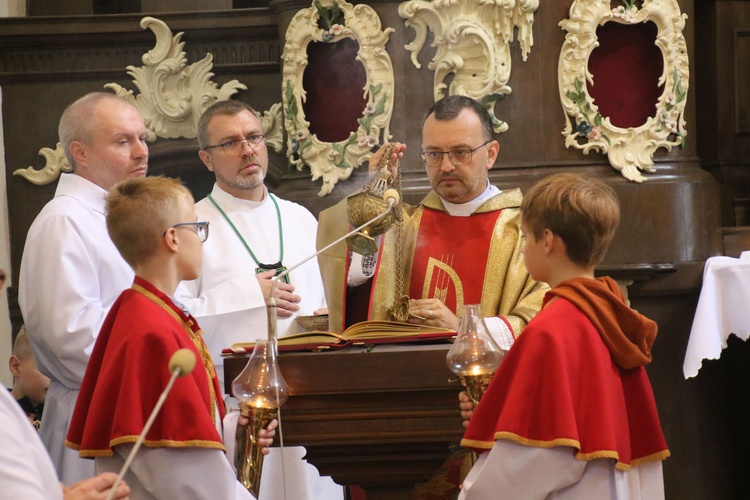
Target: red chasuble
[447, 267]
[128, 370]
[560, 386]
[459, 260]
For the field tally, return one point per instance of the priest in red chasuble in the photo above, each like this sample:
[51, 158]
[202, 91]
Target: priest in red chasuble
[461, 244]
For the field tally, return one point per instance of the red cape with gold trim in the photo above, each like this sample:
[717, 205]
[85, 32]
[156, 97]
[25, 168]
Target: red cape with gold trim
[559, 386]
[127, 372]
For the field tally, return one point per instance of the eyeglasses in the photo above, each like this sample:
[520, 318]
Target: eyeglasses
[236, 146]
[200, 227]
[456, 156]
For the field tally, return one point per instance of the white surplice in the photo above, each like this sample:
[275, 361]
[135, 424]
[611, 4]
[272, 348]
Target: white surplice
[27, 471]
[226, 299]
[71, 274]
[512, 471]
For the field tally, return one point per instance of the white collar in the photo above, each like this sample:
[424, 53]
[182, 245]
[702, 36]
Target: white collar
[231, 203]
[468, 208]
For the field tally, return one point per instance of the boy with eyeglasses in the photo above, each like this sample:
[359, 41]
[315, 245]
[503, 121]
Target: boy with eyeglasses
[152, 222]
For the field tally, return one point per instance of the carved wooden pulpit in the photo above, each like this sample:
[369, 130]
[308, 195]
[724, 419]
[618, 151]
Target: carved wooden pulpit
[382, 419]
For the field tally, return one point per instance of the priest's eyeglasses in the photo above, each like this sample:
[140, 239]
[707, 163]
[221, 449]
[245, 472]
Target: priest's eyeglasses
[200, 227]
[456, 156]
[235, 147]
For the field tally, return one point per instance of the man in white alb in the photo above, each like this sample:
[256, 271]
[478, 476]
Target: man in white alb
[71, 272]
[254, 236]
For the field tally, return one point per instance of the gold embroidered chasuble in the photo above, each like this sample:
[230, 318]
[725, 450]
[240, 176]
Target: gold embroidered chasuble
[460, 260]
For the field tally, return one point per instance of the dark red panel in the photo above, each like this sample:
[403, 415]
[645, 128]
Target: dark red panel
[335, 82]
[626, 68]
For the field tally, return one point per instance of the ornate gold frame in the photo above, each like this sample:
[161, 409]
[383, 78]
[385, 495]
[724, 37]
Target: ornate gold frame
[632, 149]
[333, 161]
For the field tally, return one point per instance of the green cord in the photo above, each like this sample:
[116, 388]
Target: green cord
[236, 231]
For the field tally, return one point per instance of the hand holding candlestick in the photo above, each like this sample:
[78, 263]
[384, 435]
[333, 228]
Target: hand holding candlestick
[474, 357]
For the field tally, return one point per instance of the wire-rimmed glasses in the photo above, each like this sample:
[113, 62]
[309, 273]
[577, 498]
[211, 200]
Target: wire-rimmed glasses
[236, 146]
[456, 156]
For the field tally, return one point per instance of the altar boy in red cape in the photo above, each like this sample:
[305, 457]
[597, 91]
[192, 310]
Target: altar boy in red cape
[570, 412]
[153, 224]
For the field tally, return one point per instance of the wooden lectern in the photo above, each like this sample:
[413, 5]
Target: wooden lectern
[382, 419]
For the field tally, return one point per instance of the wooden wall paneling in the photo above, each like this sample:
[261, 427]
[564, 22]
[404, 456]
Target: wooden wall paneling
[57, 8]
[722, 81]
[693, 412]
[741, 47]
[184, 5]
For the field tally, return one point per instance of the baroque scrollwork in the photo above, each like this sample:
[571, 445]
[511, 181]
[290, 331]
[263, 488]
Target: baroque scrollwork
[336, 161]
[173, 95]
[473, 44]
[272, 123]
[55, 164]
[629, 150]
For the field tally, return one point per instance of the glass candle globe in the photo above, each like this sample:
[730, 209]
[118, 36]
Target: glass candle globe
[260, 384]
[474, 356]
[261, 390]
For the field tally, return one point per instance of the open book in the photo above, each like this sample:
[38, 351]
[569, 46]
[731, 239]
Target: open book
[365, 333]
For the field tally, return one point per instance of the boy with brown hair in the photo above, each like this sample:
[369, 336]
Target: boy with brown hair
[153, 224]
[29, 384]
[571, 411]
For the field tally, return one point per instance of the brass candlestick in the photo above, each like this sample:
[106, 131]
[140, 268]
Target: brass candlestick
[474, 357]
[248, 454]
[476, 385]
[261, 390]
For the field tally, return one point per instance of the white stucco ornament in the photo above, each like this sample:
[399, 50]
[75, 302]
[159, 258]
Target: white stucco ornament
[629, 150]
[55, 164]
[173, 95]
[473, 40]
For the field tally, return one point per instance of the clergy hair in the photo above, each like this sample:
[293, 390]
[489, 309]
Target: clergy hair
[230, 107]
[583, 211]
[448, 108]
[79, 122]
[139, 210]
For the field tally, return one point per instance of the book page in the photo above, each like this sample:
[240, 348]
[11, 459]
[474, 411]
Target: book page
[301, 338]
[390, 329]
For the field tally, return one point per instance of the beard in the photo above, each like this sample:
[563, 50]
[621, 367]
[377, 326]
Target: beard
[243, 182]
